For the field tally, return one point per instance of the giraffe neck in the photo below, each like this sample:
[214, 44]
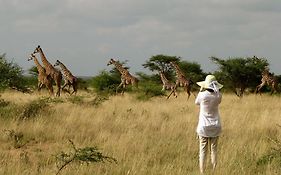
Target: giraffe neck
[120, 68]
[163, 78]
[178, 70]
[44, 60]
[38, 65]
[65, 71]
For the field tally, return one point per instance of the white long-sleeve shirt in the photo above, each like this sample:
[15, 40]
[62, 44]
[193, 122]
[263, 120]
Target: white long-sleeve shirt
[209, 124]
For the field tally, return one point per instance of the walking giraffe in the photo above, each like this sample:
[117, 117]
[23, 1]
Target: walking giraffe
[50, 70]
[167, 85]
[43, 78]
[182, 81]
[268, 79]
[126, 77]
[69, 79]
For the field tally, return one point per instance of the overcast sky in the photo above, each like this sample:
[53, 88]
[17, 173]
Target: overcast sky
[85, 34]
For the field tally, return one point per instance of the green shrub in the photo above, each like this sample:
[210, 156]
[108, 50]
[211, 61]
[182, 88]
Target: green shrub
[83, 84]
[9, 110]
[99, 99]
[11, 75]
[81, 155]
[105, 81]
[76, 99]
[149, 90]
[34, 108]
[3, 103]
[15, 137]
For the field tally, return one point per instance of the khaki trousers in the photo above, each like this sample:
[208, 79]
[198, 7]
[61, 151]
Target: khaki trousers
[204, 144]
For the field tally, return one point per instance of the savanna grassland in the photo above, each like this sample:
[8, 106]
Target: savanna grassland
[150, 137]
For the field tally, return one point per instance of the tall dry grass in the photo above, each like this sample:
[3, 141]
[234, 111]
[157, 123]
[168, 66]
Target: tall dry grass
[146, 137]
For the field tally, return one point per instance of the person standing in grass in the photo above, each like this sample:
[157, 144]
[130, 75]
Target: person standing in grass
[209, 125]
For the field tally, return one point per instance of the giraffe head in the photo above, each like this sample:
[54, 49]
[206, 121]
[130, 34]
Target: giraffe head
[266, 68]
[160, 71]
[172, 63]
[37, 49]
[57, 63]
[31, 57]
[111, 61]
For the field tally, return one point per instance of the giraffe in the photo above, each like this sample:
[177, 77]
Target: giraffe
[69, 79]
[50, 70]
[126, 77]
[167, 85]
[43, 79]
[182, 81]
[268, 79]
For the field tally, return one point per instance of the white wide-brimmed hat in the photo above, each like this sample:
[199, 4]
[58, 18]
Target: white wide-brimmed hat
[210, 83]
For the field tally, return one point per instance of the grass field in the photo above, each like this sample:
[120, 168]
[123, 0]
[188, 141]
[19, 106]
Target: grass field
[155, 137]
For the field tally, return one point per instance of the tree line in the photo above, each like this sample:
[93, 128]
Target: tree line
[238, 75]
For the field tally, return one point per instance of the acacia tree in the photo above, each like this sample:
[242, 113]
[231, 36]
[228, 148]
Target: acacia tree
[11, 75]
[239, 73]
[160, 62]
[33, 71]
[191, 70]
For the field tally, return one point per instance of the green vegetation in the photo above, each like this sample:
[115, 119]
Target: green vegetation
[238, 74]
[106, 82]
[81, 155]
[34, 108]
[11, 75]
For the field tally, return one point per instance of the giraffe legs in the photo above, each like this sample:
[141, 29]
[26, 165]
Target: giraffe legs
[173, 91]
[187, 91]
[274, 88]
[58, 78]
[123, 89]
[74, 86]
[67, 83]
[258, 88]
[39, 86]
[48, 85]
[50, 88]
[121, 84]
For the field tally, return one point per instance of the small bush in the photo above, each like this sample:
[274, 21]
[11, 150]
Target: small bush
[105, 82]
[11, 75]
[9, 110]
[149, 90]
[16, 137]
[3, 103]
[34, 108]
[76, 99]
[99, 99]
[54, 100]
[81, 155]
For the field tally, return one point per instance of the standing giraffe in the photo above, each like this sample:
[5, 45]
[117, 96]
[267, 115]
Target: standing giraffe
[268, 79]
[43, 79]
[50, 70]
[167, 85]
[126, 77]
[69, 79]
[182, 81]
